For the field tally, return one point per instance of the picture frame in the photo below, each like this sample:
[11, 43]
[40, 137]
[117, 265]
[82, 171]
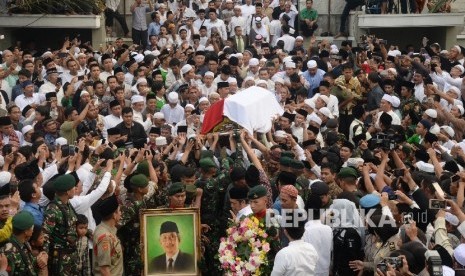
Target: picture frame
[166, 231]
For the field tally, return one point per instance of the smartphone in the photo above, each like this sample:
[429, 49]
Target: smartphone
[406, 218]
[395, 262]
[455, 178]
[65, 150]
[399, 172]
[392, 197]
[7, 149]
[103, 141]
[80, 78]
[382, 266]
[439, 190]
[182, 129]
[62, 55]
[437, 204]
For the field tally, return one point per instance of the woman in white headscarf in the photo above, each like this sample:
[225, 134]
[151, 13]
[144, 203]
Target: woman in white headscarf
[347, 239]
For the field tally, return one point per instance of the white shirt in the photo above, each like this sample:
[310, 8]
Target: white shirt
[104, 75]
[275, 31]
[395, 118]
[244, 212]
[297, 259]
[110, 121]
[86, 177]
[82, 203]
[22, 101]
[219, 24]
[206, 91]
[289, 42]
[237, 21]
[321, 237]
[138, 117]
[246, 11]
[173, 115]
[420, 92]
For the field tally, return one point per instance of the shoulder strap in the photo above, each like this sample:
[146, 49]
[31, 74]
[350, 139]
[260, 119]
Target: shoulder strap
[24, 258]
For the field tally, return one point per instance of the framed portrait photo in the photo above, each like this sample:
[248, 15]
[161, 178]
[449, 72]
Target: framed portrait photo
[170, 241]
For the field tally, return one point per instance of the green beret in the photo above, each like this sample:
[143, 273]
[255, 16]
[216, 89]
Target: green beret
[297, 164]
[23, 220]
[285, 161]
[206, 163]
[347, 172]
[139, 180]
[206, 153]
[191, 190]
[257, 192]
[143, 168]
[168, 227]
[175, 188]
[64, 183]
[288, 153]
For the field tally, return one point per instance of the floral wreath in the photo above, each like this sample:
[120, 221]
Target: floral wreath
[244, 251]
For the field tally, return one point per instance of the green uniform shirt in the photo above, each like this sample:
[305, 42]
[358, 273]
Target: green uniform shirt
[311, 14]
[19, 264]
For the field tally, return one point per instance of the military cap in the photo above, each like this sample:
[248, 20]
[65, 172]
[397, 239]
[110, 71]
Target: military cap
[191, 190]
[108, 206]
[168, 227]
[176, 188]
[139, 180]
[297, 164]
[206, 153]
[143, 168]
[288, 153]
[347, 172]
[206, 163]
[238, 193]
[23, 220]
[257, 192]
[64, 183]
[285, 161]
[319, 188]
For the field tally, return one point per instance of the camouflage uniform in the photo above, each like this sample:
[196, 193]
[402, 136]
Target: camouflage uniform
[60, 238]
[410, 104]
[211, 213]
[21, 262]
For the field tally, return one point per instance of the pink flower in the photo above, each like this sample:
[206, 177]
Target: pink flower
[266, 247]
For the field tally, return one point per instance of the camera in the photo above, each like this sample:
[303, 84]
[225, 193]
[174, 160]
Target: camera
[395, 262]
[406, 219]
[434, 262]
[385, 141]
[399, 172]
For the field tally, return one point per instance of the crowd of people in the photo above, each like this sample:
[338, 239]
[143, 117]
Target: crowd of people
[369, 146]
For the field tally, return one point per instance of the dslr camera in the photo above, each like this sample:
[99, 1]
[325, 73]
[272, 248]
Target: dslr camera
[434, 262]
[386, 141]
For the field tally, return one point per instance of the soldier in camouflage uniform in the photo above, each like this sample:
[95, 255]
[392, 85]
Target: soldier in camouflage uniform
[21, 262]
[214, 186]
[409, 102]
[129, 225]
[59, 229]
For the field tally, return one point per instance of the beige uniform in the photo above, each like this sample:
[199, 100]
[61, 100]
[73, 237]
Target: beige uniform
[107, 250]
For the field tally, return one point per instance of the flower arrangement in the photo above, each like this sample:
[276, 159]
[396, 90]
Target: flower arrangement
[244, 252]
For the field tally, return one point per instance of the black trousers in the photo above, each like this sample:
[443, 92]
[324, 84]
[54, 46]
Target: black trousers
[345, 14]
[110, 15]
[306, 30]
[403, 6]
[140, 37]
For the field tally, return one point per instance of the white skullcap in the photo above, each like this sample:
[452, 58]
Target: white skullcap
[156, 53]
[158, 115]
[5, 178]
[237, 7]
[160, 141]
[325, 111]
[310, 103]
[26, 129]
[249, 79]
[239, 55]
[395, 101]
[209, 48]
[209, 74]
[299, 38]
[84, 92]
[450, 131]
[388, 98]
[278, 80]
[425, 167]
[189, 106]
[137, 99]
[435, 129]
[261, 82]
[61, 141]
[46, 54]
[141, 80]
[459, 254]
[333, 47]
[316, 119]
[457, 47]
[173, 97]
[461, 109]
[452, 219]
[392, 71]
[311, 64]
[186, 68]
[138, 58]
[290, 64]
[232, 80]
[253, 62]
[147, 52]
[286, 59]
[460, 67]
[431, 113]
[324, 98]
[280, 134]
[455, 90]
[203, 99]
